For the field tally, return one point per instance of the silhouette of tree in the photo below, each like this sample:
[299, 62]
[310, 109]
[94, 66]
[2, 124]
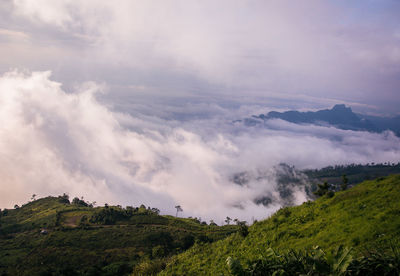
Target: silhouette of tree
[178, 209]
[243, 228]
[322, 189]
[344, 182]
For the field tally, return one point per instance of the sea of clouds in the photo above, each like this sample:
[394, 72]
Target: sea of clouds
[159, 152]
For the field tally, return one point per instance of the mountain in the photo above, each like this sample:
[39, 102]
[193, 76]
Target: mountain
[51, 236]
[339, 116]
[352, 232]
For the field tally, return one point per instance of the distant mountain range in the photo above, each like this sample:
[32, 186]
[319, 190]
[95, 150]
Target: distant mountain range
[339, 116]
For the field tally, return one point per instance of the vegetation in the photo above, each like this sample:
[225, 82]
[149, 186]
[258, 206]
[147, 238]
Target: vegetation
[353, 232]
[318, 262]
[51, 236]
[343, 176]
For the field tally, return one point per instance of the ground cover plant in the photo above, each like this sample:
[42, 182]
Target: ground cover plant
[364, 220]
[51, 236]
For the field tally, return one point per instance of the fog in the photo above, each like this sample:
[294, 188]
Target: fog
[158, 153]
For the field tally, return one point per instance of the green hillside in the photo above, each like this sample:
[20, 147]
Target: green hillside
[365, 218]
[81, 240]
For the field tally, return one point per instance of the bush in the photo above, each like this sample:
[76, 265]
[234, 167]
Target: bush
[162, 238]
[149, 267]
[110, 215]
[79, 202]
[187, 242]
[204, 239]
[330, 194]
[317, 262]
[243, 229]
[116, 269]
[158, 252]
[234, 266]
[64, 198]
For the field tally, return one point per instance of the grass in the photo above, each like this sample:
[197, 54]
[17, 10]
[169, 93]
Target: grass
[366, 216]
[76, 246]
[83, 240]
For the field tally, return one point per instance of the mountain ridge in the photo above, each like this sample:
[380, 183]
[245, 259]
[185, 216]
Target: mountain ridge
[339, 116]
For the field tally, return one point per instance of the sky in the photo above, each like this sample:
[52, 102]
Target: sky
[131, 102]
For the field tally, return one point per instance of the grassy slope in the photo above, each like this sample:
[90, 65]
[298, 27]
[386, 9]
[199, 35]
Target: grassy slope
[363, 216]
[92, 249]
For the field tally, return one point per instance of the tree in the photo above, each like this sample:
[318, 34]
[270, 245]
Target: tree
[228, 220]
[243, 228]
[322, 189]
[178, 209]
[64, 198]
[80, 202]
[155, 211]
[343, 186]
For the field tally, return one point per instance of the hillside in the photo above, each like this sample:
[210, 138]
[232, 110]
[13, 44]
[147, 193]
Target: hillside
[51, 236]
[365, 217]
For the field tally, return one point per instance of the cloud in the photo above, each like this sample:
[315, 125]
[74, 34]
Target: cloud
[348, 51]
[53, 142]
[10, 34]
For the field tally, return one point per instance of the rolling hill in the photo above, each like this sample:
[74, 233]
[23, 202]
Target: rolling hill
[352, 232]
[365, 218]
[51, 236]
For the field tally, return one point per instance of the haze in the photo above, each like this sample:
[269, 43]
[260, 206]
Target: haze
[131, 102]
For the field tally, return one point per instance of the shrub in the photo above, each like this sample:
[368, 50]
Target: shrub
[64, 198]
[158, 251]
[234, 266]
[149, 267]
[187, 242]
[330, 194]
[243, 229]
[79, 202]
[116, 269]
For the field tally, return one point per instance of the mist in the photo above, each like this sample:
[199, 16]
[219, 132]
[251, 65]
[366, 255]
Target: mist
[159, 154]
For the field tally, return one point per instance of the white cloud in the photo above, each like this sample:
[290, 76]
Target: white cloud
[53, 142]
[314, 48]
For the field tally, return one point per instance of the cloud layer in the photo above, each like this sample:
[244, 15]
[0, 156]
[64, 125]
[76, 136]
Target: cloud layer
[339, 50]
[158, 154]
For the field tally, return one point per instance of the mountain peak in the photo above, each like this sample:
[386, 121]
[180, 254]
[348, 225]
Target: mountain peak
[341, 107]
[340, 116]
